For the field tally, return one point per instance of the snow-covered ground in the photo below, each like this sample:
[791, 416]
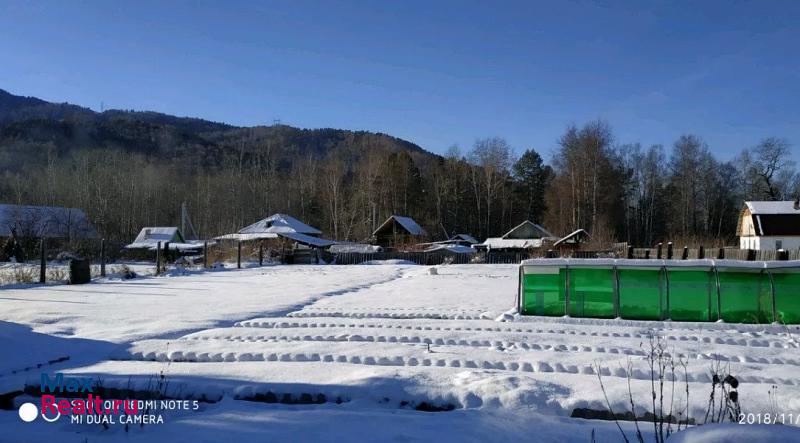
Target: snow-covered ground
[333, 353]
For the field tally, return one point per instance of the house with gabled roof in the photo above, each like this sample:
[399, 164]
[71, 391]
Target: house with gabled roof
[769, 225]
[280, 226]
[276, 224]
[399, 230]
[464, 239]
[149, 238]
[526, 235]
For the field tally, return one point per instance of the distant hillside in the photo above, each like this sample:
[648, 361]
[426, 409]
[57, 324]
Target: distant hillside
[18, 108]
[31, 129]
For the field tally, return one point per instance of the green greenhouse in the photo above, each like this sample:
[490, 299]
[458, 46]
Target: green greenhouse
[679, 290]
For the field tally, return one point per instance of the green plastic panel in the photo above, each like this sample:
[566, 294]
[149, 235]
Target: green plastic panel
[543, 291]
[642, 294]
[691, 292]
[745, 296]
[591, 292]
[684, 292]
[787, 295]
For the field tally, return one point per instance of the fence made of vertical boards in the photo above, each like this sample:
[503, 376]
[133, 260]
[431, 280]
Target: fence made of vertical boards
[437, 258]
[420, 258]
[717, 253]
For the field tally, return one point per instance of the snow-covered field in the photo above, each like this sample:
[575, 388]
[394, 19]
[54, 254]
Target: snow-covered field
[339, 353]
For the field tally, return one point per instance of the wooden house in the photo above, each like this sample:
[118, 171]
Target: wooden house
[399, 231]
[769, 225]
[526, 235]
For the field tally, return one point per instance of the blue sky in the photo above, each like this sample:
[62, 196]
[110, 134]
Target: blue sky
[436, 73]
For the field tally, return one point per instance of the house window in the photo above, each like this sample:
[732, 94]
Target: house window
[778, 244]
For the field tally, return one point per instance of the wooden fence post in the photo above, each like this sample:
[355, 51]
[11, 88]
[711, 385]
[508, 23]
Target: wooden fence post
[658, 251]
[630, 252]
[669, 251]
[102, 257]
[721, 254]
[701, 253]
[647, 254]
[43, 260]
[158, 258]
[238, 254]
[685, 255]
[205, 254]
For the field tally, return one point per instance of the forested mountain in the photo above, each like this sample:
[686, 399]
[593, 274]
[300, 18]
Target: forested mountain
[131, 169]
[29, 126]
[69, 155]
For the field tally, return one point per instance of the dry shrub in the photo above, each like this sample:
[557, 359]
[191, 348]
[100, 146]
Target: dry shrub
[58, 274]
[19, 274]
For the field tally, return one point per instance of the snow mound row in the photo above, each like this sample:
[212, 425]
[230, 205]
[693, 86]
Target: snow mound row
[540, 366]
[391, 314]
[497, 344]
[719, 339]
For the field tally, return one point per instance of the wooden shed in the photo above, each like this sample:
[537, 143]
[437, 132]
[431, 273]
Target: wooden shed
[398, 231]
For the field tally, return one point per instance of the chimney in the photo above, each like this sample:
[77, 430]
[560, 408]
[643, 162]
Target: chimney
[797, 204]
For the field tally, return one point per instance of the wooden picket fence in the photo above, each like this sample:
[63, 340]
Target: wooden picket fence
[716, 253]
[437, 258]
[495, 257]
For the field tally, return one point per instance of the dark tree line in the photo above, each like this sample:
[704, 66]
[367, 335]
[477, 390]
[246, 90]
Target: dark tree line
[644, 195]
[348, 183]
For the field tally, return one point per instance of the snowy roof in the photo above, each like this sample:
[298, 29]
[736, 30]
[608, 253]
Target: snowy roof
[577, 234]
[504, 243]
[279, 223]
[341, 248]
[771, 218]
[176, 246]
[639, 263]
[307, 239]
[155, 234]
[455, 249]
[247, 237]
[524, 236]
[465, 237]
[407, 223]
[772, 207]
[528, 229]
[50, 221]
[544, 262]
[783, 264]
[739, 264]
[149, 237]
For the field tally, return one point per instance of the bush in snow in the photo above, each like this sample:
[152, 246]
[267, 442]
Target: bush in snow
[126, 273]
[22, 274]
[58, 274]
[666, 416]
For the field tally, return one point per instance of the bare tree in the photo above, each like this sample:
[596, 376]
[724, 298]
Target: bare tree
[491, 158]
[768, 167]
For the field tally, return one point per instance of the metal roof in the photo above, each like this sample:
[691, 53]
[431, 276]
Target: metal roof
[50, 221]
[407, 223]
[279, 223]
[772, 207]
